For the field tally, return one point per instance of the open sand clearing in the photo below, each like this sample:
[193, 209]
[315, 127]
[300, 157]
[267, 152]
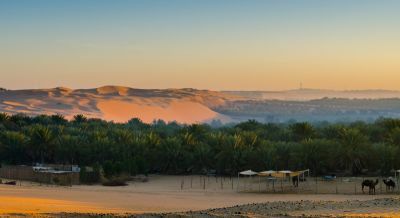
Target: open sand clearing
[161, 194]
[180, 111]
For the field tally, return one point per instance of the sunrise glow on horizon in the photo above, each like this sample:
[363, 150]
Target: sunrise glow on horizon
[207, 44]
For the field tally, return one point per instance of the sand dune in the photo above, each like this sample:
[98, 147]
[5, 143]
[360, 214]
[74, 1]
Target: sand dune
[117, 103]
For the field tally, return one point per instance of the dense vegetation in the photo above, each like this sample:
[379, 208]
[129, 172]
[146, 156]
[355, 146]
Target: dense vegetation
[138, 148]
[325, 109]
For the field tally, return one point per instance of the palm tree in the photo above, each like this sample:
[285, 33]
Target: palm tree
[41, 140]
[354, 149]
[80, 118]
[13, 147]
[4, 117]
[302, 131]
[58, 119]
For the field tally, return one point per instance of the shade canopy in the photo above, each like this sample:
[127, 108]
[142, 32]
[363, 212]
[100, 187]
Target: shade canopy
[282, 173]
[267, 173]
[248, 173]
[285, 171]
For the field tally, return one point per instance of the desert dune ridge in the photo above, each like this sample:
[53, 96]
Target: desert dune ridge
[118, 103]
[187, 105]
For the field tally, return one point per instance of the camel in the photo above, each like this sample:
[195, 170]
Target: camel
[390, 184]
[370, 184]
[297, 179]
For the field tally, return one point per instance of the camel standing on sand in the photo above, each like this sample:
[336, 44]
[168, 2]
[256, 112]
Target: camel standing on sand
[390, 184]
[297, 179]
[370, 184]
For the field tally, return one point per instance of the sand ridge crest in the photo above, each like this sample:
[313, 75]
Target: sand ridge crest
[118, 103]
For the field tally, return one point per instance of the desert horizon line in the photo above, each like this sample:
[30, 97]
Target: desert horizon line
[202, 89]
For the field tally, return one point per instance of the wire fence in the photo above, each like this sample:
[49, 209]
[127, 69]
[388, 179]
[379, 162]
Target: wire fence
[312, 185]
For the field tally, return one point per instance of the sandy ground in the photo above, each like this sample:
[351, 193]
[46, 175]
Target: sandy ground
[161, 194]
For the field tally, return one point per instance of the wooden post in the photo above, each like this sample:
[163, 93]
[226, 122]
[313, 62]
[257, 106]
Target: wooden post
[337, 191]
[191, 181]
[237, 187]
[222, 184]
[273, 185]
[355, 188]
[316, 184]
[182, 181]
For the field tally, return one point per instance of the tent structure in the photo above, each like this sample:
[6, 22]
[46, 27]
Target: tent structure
[272, 174]
[284, 173]
[267, 173]
[248, 173]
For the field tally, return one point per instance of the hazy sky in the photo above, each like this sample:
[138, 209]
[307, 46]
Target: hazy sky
[207, 44]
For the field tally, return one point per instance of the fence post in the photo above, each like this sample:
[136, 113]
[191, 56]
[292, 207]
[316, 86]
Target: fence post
[355, 187]
[336, 181]
[182, 182]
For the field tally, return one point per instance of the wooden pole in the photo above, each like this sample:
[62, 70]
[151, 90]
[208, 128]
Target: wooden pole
[273, 185]
[355, 187]
[337, 192]
[182, 181]
[237, 187]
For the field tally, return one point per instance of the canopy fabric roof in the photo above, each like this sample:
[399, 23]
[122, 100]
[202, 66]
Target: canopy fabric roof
[282, 173]
[285, 171]
[266, 173]
[248, 173]
[297, 173]
[273, 173]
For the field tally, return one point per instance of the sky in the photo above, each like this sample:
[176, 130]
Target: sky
[204, 44]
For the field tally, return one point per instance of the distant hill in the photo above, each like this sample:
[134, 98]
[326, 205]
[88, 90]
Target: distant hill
[311, 94]
[119, 104]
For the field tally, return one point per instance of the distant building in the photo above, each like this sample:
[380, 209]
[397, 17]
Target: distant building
[49, 174]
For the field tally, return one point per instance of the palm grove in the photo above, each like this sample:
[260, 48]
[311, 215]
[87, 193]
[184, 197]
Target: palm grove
[139, 148]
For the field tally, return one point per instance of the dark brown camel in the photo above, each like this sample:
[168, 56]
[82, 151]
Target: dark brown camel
[370, 184]
[390, 184]
[297, 179]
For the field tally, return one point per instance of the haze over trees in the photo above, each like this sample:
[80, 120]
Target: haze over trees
[170, 148]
